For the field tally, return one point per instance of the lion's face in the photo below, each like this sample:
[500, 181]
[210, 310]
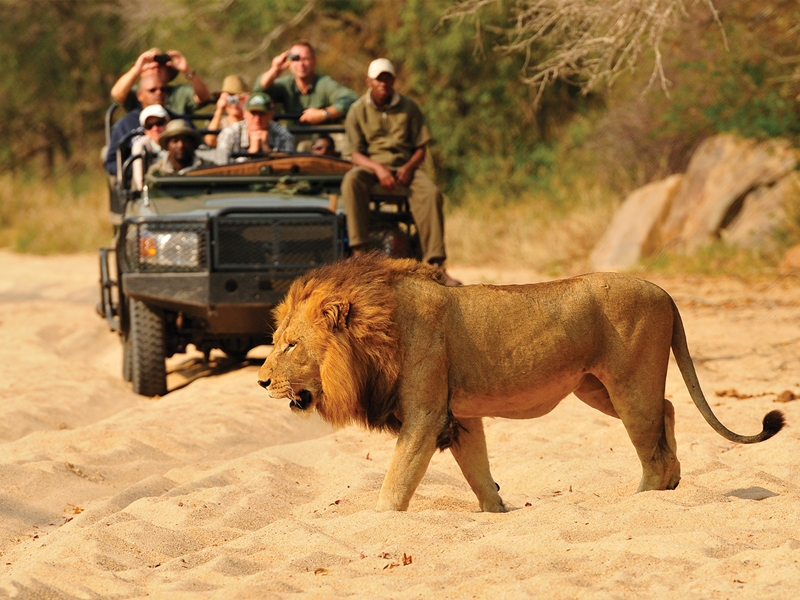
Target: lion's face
[292, 369]
[336, 346]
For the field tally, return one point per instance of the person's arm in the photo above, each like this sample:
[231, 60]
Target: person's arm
[124, 85]
[222, 103]
[280, 138]
[338, 99]
[384, 175]
[405, 174]
[201, 93]
[268, 77]
[225, 141]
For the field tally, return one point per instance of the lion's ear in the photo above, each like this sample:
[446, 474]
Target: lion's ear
[335, 313]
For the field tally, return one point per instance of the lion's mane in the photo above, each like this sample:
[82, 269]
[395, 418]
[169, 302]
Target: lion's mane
[351, 307]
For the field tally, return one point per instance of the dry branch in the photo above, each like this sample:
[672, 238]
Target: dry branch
[587, 42]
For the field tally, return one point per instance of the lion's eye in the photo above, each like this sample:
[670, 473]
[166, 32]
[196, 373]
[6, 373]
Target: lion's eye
[290, 347]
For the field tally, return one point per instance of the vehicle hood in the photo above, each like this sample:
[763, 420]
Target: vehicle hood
[211, 204]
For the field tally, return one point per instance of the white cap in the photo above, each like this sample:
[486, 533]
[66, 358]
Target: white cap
[155, 110]
[378, 66]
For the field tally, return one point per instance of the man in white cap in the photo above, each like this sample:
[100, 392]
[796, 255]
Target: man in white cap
[151, 92]
[153, 120]
[388, 135]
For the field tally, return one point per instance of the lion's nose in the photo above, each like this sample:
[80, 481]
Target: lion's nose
[264, 384]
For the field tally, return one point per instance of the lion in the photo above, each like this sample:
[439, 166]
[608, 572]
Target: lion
[384, 344]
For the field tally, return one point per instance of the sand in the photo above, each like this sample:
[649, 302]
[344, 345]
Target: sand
[215, 491]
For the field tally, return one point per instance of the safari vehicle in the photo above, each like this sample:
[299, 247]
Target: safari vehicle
[202, 258]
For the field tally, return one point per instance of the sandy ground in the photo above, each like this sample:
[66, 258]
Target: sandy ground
[214, 491]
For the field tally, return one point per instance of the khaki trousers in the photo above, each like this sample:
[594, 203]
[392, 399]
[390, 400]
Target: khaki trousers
[425, 203]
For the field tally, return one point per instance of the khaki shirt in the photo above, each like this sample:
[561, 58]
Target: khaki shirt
[164, 166]
[390, 135]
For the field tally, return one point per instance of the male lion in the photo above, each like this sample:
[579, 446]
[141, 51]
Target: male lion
[383, 343]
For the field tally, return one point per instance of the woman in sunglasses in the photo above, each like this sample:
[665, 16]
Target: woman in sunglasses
[153, 120]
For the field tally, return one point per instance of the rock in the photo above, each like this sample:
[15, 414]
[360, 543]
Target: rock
[635, 230]
[763, 211]
[720, 174]
[790, 263]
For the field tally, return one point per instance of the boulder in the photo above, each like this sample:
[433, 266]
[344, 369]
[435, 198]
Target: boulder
[720, 174]
[763, 211]
[790, 263]
[635, 231]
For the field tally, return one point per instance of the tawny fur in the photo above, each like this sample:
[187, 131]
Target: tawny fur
[383, 344]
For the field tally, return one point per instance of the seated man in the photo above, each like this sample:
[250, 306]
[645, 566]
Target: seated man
[181, 99]
[317, 98]
[323, 144]
[151, 92]
[180, 140]
[153, 120]
[388, 136]
[256, 134]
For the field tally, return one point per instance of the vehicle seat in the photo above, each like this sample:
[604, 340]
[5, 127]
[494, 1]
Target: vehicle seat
[385, 200]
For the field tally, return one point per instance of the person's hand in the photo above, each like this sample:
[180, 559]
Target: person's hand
[222, 101]
[313, 116]
[178, 62]
[280, 63]
[258, 141]
[385, 177]
[405, 175]
[145, 61]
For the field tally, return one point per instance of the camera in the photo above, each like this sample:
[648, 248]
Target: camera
[233, 99]
[292, 57]
[162, 59]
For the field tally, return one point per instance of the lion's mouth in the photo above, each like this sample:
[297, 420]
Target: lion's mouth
[302, 401]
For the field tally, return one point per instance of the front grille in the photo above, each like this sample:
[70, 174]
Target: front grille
[265, 243]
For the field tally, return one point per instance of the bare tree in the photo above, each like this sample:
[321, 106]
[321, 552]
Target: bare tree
[588, 42]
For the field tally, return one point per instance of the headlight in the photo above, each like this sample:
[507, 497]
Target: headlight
[169, 248]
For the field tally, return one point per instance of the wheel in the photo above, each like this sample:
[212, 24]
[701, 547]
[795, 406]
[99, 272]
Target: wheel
[148, 350]
[236, 349]
[127, 358]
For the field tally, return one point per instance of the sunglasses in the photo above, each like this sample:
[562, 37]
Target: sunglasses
[163, 90]
[157, 123]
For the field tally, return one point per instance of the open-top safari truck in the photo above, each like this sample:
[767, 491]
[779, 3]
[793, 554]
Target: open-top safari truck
[202, 258]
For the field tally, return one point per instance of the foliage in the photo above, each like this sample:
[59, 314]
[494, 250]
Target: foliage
[549, 157]
[479, 111]
[68, 213]
[55, 77]
[591, 42]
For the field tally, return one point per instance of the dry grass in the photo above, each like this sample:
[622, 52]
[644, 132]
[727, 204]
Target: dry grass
[529, 233]
[64, 215]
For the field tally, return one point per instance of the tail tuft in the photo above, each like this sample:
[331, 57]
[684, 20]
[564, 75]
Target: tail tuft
[773, 423]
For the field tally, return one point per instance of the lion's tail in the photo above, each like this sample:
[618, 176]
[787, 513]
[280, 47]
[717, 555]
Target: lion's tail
[773, 421]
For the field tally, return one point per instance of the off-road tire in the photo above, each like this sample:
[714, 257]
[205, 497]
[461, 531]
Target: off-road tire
[148, 350]
[127, 358]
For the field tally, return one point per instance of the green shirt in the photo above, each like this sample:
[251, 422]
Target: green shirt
[180, 99]
[389, 135]
[323, 92]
